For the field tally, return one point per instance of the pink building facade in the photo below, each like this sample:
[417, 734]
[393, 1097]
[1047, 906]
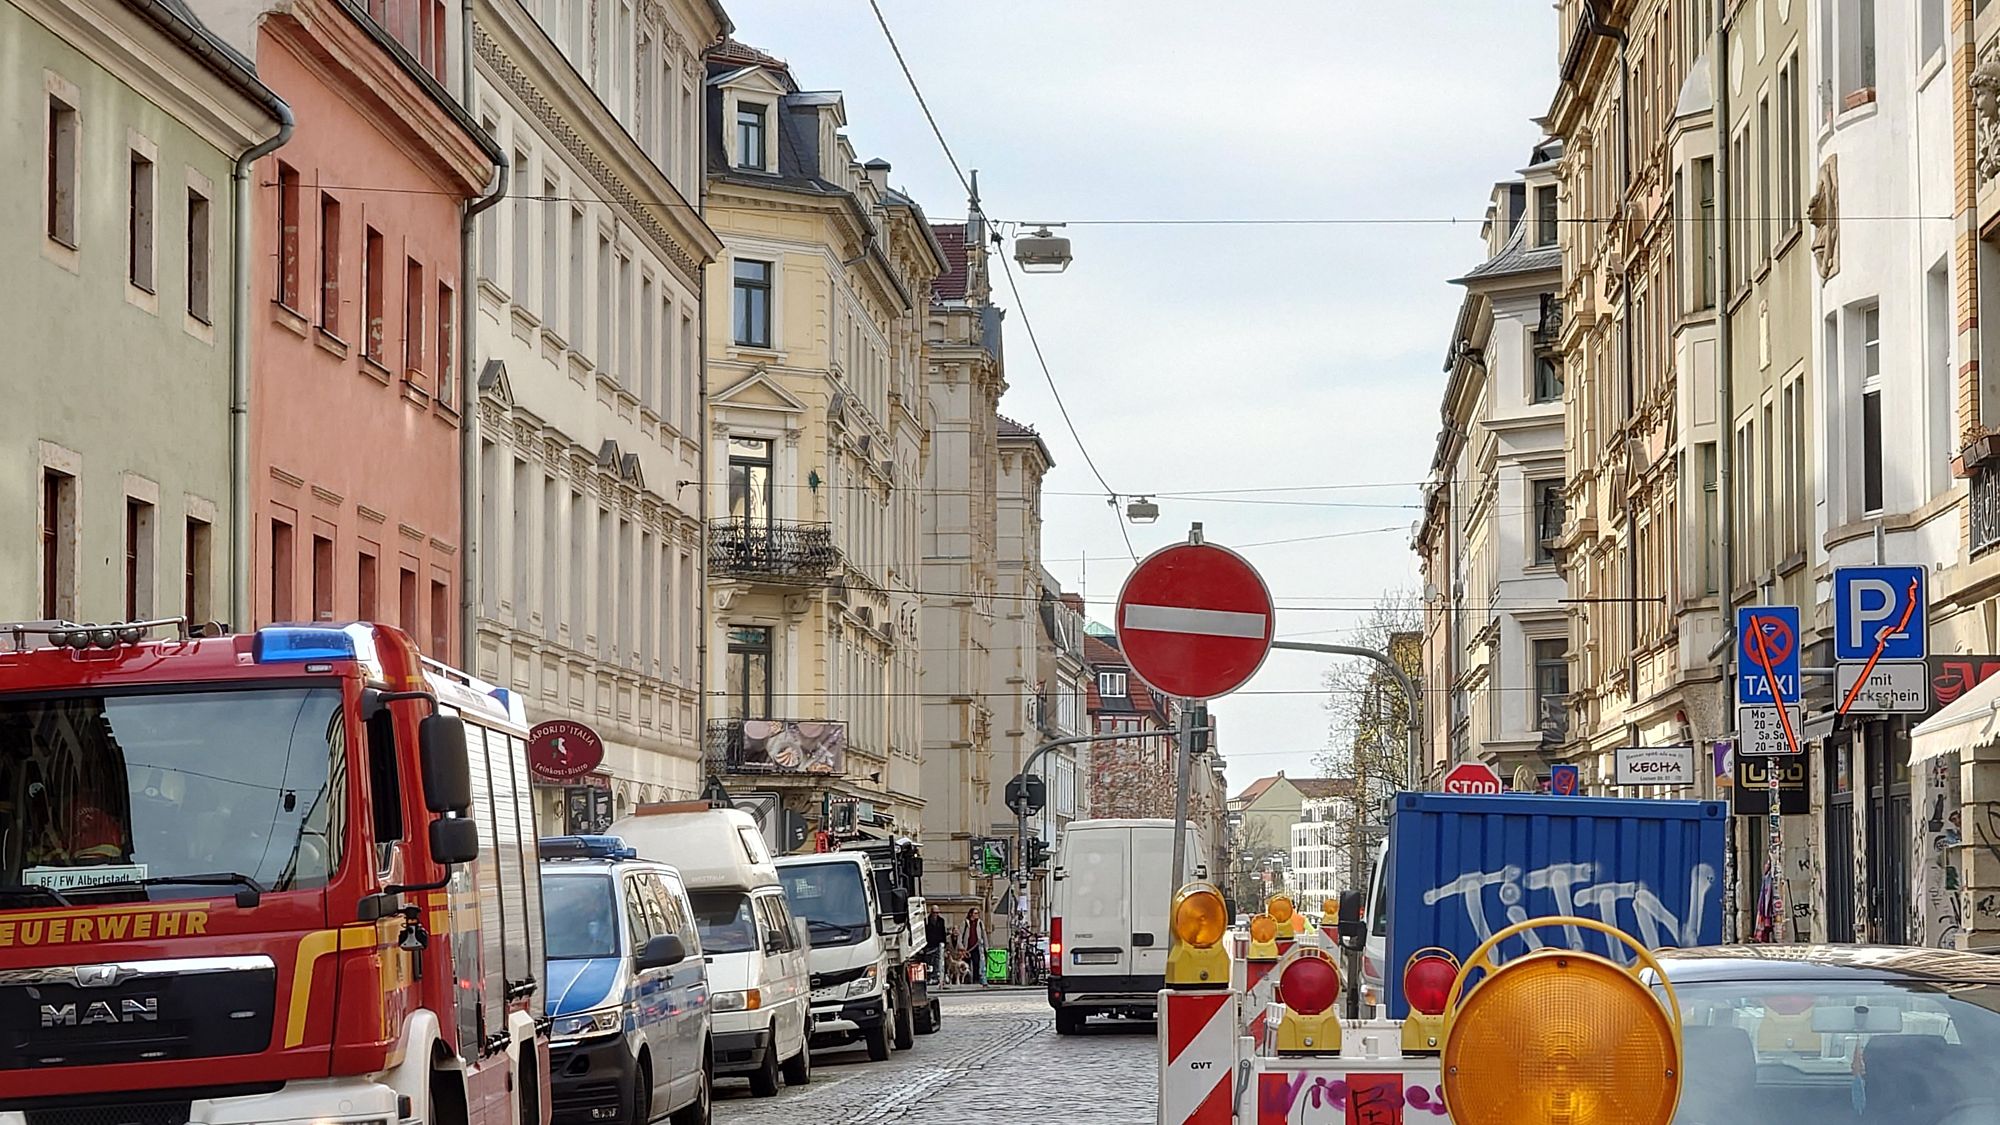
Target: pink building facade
[355, 292]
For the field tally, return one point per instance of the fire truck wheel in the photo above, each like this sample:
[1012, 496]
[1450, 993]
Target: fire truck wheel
[764, 1080]
[906, 1036]
[642, 1094]
[1069, 1021]
[799, 1068]
[696, 1112]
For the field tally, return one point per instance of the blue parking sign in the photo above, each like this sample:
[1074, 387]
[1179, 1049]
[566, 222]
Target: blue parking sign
[1879, 606]
[1767, 654]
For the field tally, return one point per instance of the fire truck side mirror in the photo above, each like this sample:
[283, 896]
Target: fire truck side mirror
[447, 772]
[454, 839]
[1353, 925]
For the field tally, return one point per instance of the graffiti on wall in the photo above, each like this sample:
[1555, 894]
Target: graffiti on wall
[1935, 874]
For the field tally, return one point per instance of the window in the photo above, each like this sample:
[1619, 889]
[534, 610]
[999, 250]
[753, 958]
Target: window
[58, 545]
[195, 571]
[413, 318]
[372, 286]
[1545, 216]
[552, 259]
[752, 310]
[748, 677]
[489, 221]
[281, 571]
[367, 582]
[1791, 157]
[601, 346]
[1871, 411]
[1856, 31]
[1548, 378]
[1764, 216]
[750, 137]
[406, 603]
[1551, 689]
[1936, 17]
[1112, 685]
[1796, 515]
[385, 788]
[61, 172]
[524, 230]
[750, 480]
[139, 221]
[1942, 409]
[1701, 178]
[329, 264]
[199, 257]
[447, 345]
[138, 559]
[1711, 517]
[579, 279]
[288, 236]
[1549, 516]
[440, 641]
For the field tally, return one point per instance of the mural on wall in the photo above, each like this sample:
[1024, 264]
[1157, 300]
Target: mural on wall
[1935, 874]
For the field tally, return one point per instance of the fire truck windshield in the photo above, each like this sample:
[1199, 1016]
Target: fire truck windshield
[117, 787]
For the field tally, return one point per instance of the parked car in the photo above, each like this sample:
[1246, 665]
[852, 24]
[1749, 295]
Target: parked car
[628, 989]
[1889, 1035]
[757, 951]
[1108, 931]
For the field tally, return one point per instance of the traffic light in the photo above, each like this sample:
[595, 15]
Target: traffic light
[1038, 853]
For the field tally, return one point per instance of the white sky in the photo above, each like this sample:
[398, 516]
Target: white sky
[1205, 358]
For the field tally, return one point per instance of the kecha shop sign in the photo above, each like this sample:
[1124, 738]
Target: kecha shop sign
[1653, 765]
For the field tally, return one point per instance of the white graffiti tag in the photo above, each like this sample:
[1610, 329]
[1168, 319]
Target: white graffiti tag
[1569, 884]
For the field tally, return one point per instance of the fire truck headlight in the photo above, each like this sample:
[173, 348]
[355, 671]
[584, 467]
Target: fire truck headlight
[601, 1021]
[1559, 1035]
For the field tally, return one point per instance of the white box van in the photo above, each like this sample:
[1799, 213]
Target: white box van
[758, 976]
[1108, 931]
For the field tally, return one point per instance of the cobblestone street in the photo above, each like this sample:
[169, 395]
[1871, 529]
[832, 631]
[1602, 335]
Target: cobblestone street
[997, 1061]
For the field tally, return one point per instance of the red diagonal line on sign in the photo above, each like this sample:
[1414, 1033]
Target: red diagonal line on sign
[1771, 677]
[1881, 643]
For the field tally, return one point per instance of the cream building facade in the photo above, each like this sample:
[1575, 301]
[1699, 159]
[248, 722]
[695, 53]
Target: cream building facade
[589, 311]
[816, 401]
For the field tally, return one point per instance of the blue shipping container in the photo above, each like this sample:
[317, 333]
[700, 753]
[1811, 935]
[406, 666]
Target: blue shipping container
[1462, 869]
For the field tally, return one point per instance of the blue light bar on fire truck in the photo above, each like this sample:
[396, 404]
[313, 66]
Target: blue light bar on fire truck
[296, 644]
[586, 847]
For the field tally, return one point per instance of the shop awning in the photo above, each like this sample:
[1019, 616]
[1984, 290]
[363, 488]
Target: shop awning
[1973, 719]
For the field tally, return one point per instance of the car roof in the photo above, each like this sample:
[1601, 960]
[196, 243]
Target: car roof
[1722, 963]
[584, 863]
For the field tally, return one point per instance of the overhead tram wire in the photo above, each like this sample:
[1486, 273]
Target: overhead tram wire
[1020, 306]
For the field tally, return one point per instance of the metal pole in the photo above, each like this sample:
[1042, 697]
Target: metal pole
[1184, 750]
[1403, 681]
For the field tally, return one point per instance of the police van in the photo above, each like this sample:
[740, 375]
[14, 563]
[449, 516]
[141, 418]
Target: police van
[628, 988]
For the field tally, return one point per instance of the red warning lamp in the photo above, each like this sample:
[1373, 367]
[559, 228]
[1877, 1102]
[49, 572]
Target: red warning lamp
[1427, 981]
[1309, 985]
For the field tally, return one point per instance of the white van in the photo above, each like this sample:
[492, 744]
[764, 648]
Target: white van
[1108, 930]
[758, 976]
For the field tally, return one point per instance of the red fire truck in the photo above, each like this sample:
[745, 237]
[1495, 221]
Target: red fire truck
[278, 877]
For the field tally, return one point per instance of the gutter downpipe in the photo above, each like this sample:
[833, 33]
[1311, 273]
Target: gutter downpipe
[1725, 404]
[468, 364]
[240, 524]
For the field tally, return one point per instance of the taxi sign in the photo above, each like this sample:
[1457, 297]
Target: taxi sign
[1767, 657]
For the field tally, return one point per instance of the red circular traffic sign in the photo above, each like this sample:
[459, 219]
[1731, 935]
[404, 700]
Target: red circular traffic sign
[563, 750]
[1195, 620]
[1473, 777]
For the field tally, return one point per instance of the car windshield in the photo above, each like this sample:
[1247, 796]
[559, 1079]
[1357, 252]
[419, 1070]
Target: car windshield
[829, 896]
[723, 919]
[579, 916]
[1875, 1051]
[111, 788]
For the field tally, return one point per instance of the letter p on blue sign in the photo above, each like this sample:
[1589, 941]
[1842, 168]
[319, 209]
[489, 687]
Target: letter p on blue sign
[1879, 606]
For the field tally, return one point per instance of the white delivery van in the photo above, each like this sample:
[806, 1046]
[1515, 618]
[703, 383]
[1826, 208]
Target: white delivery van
[856, 993]
[760, 995]
[1108, 929]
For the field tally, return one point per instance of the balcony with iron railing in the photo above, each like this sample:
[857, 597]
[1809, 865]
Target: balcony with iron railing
[772, 550]
[1986, 507]
[777, 748]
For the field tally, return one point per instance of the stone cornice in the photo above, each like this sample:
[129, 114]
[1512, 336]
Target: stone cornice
[521, 61]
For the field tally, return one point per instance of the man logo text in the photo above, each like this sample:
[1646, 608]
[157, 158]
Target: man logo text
[142, 1010]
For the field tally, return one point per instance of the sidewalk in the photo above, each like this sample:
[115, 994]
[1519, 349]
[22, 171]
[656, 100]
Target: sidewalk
[989, 988]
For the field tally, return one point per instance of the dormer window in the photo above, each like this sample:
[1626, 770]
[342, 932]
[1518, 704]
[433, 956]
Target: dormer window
[750, 124]
[1112, 685]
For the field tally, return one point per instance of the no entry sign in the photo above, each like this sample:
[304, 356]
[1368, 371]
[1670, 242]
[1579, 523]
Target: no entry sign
[1195, 620]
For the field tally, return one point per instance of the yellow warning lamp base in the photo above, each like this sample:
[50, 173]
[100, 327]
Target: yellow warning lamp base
[1263, 939]
[1422, 1034]
[1191, 966]
[1309, 1035]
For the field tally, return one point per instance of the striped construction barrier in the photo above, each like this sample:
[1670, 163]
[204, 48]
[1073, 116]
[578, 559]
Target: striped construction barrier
[1198, 1052]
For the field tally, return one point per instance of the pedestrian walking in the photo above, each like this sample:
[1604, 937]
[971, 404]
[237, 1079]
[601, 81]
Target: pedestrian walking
[936, 929]
[975, 945]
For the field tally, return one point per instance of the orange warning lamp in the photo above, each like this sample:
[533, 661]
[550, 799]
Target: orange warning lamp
[1263, 939]
[1298, 925]
[1281, 910]
[1427, 981]
[1199, 920]
[1614, 1059]
[1308, 985]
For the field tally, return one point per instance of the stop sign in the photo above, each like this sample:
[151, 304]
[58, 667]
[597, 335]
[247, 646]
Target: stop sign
[1195, 620]
[1472, 777]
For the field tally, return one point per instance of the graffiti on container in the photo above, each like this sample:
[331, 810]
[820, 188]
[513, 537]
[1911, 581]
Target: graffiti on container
[1574, 893]
[1363, 1099]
